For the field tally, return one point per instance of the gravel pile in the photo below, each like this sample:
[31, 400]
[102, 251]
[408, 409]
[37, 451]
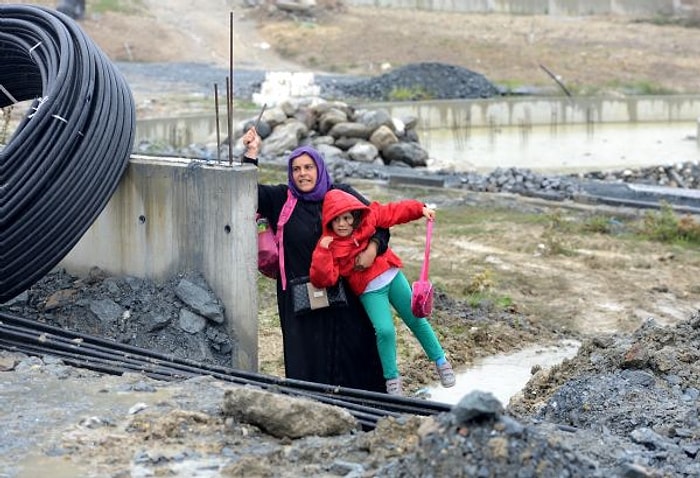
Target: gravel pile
[180, 317]
[624, 406]
[418, 81]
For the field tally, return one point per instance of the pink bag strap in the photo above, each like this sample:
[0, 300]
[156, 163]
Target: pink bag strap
[426, 259]
[284, 217]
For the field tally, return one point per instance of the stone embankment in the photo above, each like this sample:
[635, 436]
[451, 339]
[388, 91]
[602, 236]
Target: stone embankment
[370, 144]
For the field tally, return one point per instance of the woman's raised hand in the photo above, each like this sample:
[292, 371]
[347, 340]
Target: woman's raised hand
[252, 142]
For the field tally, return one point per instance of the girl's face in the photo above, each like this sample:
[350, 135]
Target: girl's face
[304, 173]
[343, 224]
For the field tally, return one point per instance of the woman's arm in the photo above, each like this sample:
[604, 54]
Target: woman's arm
[270, 197]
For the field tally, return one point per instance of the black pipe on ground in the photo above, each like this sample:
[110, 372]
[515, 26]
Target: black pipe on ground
[86, 351]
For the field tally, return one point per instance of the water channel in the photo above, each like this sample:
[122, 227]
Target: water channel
[562, 149]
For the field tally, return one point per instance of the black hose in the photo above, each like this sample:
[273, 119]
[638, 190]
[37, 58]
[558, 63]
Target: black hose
[375, 399]
[66, 157]
[95, 353]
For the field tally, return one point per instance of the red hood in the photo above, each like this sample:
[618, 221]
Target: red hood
[336, 202]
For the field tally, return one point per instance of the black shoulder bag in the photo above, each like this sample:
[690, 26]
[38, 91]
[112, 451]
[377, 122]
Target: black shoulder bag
[306, 297]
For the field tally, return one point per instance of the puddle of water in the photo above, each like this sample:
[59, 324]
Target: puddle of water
[503, 375]
[36, 464]
[564, 148]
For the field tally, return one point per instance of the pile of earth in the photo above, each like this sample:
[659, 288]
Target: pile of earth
[413, 82]
[625, 406]
[180, 317]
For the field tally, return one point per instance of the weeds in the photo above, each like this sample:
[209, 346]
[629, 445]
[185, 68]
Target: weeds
[690, 21]
[480, 283]
[123, 6]
[599, 225]
[416, 93]
[480, 290]
[665, 226]
[641, 87]
[554, 237]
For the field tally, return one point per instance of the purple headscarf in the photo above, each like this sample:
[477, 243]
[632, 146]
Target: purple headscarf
[323, 181]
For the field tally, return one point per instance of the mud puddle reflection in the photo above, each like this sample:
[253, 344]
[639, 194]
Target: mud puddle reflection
[503, 375]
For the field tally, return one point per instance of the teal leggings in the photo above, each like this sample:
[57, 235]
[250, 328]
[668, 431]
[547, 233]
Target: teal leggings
[377, 304]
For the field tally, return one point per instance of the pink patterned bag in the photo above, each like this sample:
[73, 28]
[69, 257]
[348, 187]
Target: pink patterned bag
[422, 290]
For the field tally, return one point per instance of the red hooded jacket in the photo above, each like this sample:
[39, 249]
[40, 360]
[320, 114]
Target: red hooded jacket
[327, 265]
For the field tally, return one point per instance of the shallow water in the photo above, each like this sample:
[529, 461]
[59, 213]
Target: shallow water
[564, 148]
[503, 375]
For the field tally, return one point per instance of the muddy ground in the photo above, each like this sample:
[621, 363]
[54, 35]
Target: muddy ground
[509, 271]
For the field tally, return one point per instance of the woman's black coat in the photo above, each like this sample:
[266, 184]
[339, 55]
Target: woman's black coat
[334, 346]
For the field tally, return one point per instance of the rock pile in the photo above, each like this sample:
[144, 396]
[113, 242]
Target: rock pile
[416, 81]
[339, 131]
[624, 406]
[181, 317]
[680, 175]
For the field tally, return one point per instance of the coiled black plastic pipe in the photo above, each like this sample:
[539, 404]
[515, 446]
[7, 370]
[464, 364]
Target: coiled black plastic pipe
[66, 157]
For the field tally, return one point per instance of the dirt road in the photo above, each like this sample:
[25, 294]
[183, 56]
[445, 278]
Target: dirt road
[591, 54]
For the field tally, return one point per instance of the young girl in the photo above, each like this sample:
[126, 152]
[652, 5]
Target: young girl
[347, 226]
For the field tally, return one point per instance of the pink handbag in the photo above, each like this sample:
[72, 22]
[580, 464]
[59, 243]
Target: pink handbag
[270, 249]
[268, 258]
[422, 291]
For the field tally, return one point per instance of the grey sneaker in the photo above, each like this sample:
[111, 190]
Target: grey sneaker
[393, 387]
[447, 375]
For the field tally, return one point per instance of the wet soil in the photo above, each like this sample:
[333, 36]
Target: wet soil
[607, 286]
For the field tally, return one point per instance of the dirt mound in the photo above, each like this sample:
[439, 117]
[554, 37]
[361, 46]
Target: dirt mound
[625, 406]
[133, 311]
[421, 81]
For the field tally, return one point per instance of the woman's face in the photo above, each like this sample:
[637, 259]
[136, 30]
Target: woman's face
[304, 173]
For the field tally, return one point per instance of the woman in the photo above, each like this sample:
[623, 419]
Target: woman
[334, 346]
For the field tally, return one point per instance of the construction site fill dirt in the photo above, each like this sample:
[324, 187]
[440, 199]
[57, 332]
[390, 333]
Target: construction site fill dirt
[509, 272]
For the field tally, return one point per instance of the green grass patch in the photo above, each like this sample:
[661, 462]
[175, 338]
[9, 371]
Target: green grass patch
[690, 21]
[415, 93]
[641, 87]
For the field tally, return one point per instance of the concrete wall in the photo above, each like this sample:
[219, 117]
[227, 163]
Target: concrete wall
[451, 114]
[183, 130]
[541, 7]
[168, 217]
